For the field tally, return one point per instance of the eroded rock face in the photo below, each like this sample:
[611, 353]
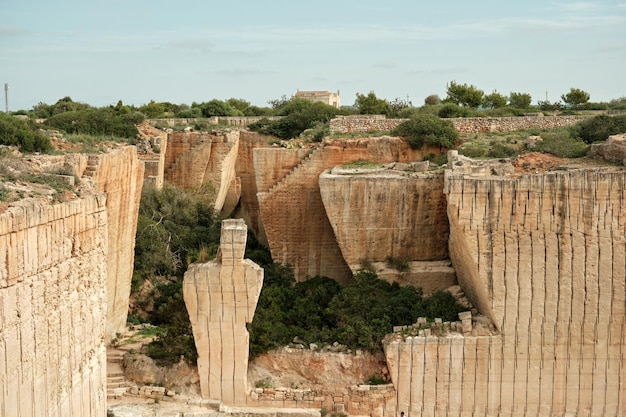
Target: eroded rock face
[221, 297]
[298, 230]
[196, 159]
[613, 150]
[119, 174]
[386, 213]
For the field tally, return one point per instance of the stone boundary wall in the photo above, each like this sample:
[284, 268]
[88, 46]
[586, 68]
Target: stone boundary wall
[52, 309]
[361, 400]
[241, 121]
[378, 123]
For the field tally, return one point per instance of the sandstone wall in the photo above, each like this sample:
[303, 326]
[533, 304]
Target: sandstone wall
[378, 123]
[384, 213]
[194, 159]
[52, 309]
[544, 256]
[248, 208]
[119, 174]
[297, 228]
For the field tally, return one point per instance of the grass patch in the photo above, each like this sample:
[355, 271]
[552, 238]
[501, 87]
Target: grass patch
[361, 163]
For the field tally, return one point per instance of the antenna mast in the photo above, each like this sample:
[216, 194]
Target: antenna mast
[6, 97]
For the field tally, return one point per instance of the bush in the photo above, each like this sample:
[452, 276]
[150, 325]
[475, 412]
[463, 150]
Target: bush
[23, 134]
[300, 115]
[599, 128]
[472, 151]
[427, 129]
[561, 144]
[500, 150]
[451, 110]
[103, 121]
[358, 315]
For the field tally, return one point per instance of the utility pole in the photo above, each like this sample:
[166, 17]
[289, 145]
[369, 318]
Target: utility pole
[6, 97]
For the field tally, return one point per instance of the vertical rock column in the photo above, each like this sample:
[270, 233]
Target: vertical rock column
[221, 297]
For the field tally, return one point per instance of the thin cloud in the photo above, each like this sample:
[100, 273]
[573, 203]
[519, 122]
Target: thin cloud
[190, 45]
[581, 7]
[11, 31]
[384, 65]
[240, 72]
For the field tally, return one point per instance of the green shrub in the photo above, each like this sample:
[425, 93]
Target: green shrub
[400, 265]
[451, 110]
[561, 144]
[500, 150]
[103, 121]
[299, 115]
[23, 134]
[599, 128]
[429, 130]
[472, 151]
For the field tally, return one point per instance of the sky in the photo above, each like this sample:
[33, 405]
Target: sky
[99, 52]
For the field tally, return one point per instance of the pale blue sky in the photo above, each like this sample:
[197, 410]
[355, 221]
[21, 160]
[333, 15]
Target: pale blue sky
[99, 51]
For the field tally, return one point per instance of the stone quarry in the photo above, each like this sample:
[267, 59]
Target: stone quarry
[541, 257]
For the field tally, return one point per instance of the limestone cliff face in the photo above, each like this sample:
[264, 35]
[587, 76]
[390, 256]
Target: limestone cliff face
[53, 273]
[194, 159]
[544, 256]
[248, 208]
[297, 228]
[119, 174]
[383, 213]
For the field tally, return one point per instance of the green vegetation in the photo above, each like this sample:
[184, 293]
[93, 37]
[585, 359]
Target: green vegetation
[559, 142]
[175, 228]
[300, 115]
[320, 310]
[494, 100]
[361, 163]
[370, 104]
[519, 100]
[599, 128]
[23, 134]
[102, 121]
[464, 95]
[429, 130]
[575, 97]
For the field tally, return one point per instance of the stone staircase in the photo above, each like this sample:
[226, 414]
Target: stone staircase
[295, 169]
[117, 384]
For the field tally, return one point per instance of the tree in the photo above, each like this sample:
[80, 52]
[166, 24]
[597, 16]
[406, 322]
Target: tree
[432, 100]
[396, 106]
[218, 108]
[238, 103]
[519, 100]
[427, 129]
[495, 100]
[464, 95]
[152, 109]
[370, 104]
[300, 114]
[575, 97]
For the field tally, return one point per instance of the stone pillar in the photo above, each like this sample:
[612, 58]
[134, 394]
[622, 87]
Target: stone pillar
[221, 296]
